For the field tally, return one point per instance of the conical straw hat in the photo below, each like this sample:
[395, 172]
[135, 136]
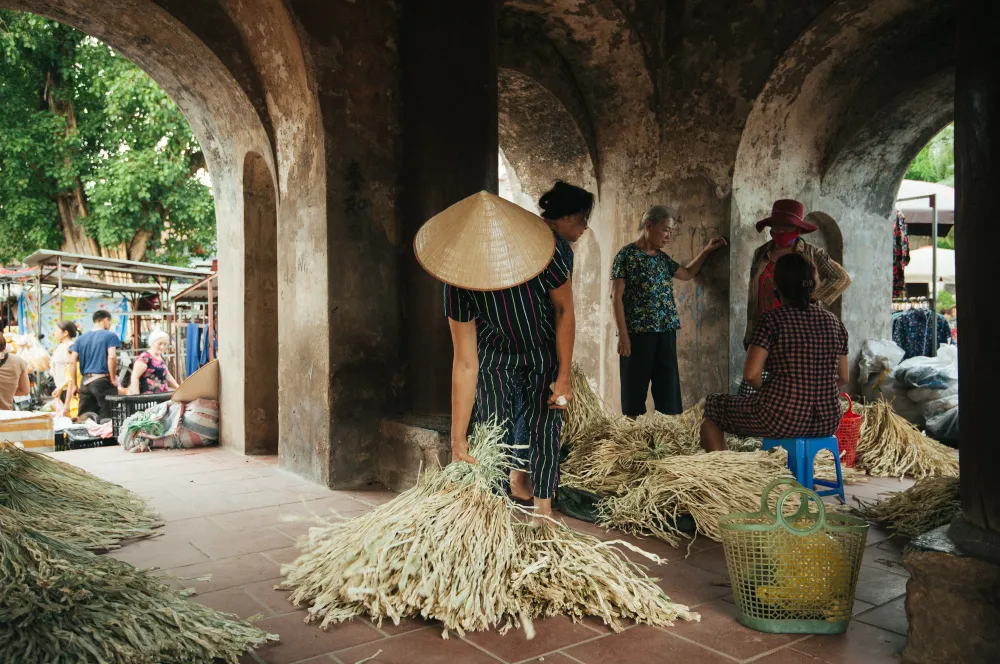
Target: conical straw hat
[484, 243]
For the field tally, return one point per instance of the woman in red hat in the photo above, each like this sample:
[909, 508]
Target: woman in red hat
[788, 225]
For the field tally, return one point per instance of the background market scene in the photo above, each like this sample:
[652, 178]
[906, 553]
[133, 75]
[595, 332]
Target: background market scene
[558, 331]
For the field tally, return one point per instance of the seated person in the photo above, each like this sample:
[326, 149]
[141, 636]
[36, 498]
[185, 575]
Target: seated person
[150, 374]
[804, 351]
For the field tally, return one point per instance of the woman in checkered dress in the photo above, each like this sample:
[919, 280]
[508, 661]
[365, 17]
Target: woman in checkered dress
[803, 349]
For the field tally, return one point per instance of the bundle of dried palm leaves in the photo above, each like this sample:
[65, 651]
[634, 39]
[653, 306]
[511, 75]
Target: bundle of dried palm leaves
[70, 504]
[706, 486]
[586, 418]
[453, 549]
[890, 446]
[928, 504]
[61, 604]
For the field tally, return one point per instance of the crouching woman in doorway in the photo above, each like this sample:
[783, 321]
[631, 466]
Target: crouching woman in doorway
[509, 301]
[804, 350]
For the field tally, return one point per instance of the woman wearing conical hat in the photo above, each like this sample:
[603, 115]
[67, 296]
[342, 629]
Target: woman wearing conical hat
[788, 225]
[508, 296]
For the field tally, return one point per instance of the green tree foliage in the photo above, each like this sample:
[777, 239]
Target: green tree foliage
[936, 162]
[94, 157]
[945, 301]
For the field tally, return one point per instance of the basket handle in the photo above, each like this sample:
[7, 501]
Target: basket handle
[771, 486]
[807, 495]
[850, 402]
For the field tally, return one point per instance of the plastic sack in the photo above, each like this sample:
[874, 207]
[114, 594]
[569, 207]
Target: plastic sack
[32, 352]
[944, 427]
[933, 372]
[877, 355]
[932, 409]
[925, 394]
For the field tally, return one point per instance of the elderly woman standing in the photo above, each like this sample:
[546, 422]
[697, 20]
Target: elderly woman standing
[787, 223]
[642, 292]
[508, 297]
[150, 374]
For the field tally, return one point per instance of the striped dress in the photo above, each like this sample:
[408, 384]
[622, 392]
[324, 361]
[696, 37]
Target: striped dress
[516, 330]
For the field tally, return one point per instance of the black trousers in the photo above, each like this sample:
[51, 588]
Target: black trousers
[93, 397]
[653, 359]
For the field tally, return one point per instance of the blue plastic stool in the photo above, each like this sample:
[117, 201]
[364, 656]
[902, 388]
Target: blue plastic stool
[801, 458]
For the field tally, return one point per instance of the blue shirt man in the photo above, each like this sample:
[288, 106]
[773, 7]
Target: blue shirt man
[96, 353]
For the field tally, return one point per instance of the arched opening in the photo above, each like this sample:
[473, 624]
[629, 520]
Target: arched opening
[260, 305]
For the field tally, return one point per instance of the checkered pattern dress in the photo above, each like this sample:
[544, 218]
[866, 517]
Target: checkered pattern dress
[800, 395]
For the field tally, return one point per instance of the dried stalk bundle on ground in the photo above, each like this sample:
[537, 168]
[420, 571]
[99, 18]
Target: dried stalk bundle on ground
[579, 575]
[890, 446]
[706, 486]
[453, 549]
[70, 504]
[61, 604]
[928, 504]
[586, 418]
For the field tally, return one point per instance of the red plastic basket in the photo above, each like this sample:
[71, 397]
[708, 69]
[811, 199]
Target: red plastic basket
[848, 433]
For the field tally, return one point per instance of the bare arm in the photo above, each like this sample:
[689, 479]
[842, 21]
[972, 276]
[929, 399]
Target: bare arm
[137, 373]
[464, 376]
[689, 271]
[172, 382]
[843, 371]
[23, 385]
[113, 365]
[618, 305]
[562, 301]
[753, 367]
[71, 370]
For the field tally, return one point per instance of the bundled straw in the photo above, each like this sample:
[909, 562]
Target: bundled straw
[70, 504]
[706, 486]
[60, 604]
[928, 504]
[586, 417]
[579, 575]
[452, 549]
[890, 446]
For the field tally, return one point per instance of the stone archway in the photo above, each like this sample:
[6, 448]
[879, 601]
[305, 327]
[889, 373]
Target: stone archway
[835, 127]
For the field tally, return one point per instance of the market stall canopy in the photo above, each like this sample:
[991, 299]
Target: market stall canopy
[919, 269]
[46, 257]
[918, 212]
[73, 281]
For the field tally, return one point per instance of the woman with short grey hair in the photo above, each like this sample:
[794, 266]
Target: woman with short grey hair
[646, 313]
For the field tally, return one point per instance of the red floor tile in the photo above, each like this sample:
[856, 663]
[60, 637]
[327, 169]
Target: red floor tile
[788, 656]
[255, 519]
[711, 560]
[890, 617]
[424, 646]
[232, 600]
[720, 631]
[225, 545]
[227, 573]
[405, 625]
[284, 556]
[159, 552]
[301, 640]
[643, 644]
[689, 585]
[550, 635]
[861, 643]
[275, 601]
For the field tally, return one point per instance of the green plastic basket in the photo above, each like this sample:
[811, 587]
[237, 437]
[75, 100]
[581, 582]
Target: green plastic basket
[793, 569]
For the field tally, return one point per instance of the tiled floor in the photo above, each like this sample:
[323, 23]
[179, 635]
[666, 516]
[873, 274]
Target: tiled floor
[228, 515]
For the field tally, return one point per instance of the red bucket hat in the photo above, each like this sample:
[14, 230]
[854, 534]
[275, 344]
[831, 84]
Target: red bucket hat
[787, 212]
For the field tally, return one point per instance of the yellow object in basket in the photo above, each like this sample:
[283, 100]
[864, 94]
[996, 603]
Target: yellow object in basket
[810, 570]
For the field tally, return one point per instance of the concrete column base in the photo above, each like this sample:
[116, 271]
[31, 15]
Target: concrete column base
[952, 604]
[408, 444]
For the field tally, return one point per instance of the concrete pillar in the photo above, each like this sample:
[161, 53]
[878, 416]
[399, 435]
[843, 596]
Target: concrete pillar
[977, 235]
[450, 142]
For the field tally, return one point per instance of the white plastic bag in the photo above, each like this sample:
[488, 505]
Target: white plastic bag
[877, 355]
[944, 427]
[932, 409]
[31, 351]
[933, 372]
[925, 394]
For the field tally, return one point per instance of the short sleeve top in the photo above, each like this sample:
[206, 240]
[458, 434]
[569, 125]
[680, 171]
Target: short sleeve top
[649, 289]
[154, 379]
[92, 348]
[804, 347]
[515, 320]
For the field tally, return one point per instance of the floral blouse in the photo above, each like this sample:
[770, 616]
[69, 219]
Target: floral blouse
[649, 289]
[154, 380]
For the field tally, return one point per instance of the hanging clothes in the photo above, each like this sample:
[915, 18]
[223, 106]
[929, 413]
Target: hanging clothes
[192, 347]
[911, 331]
[205, 345]
[900, 255]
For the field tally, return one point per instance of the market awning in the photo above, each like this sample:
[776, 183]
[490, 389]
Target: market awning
[919, 269]
[50, 258]
[918, 213]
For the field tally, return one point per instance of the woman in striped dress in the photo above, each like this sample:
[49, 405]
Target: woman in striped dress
[513, 351]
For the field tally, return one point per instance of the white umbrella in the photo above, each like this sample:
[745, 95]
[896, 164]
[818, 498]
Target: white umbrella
[919, 269]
